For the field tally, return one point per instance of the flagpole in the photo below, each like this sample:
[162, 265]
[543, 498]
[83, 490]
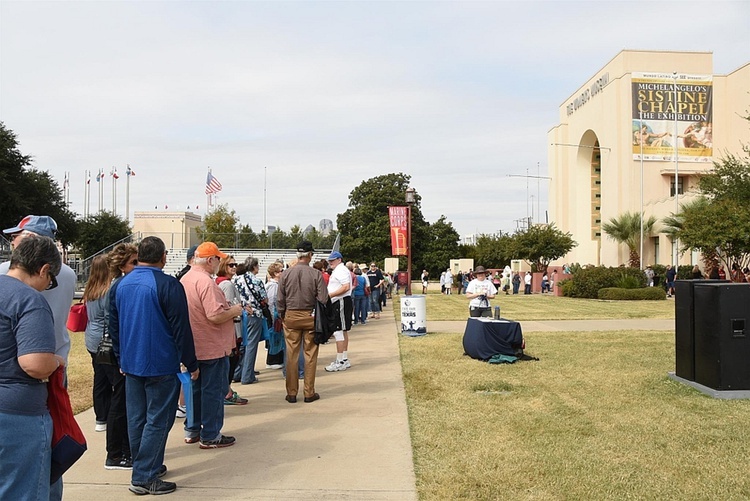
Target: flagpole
[114, 191]
[208, 196]
[265, 208]
[127, 194]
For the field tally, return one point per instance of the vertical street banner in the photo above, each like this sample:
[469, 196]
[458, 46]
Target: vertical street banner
[660, 100]
[398, 217]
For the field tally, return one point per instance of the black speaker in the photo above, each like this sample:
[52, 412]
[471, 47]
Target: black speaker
[722, 335]
[684, 326]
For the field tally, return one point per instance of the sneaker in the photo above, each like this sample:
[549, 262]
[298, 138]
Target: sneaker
[235, 399]
[162, 471]
[336, 366]
[222, 441]
[100, 426]
[274, 366]
[155, 487]
[181, 412]
[192, 440]
[346, 362]
[118, 464]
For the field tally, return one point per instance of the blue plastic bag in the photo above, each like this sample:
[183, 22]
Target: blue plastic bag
[187, 391]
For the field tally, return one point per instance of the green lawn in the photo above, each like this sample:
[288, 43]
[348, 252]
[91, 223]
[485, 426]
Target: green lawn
[544, 307]
[595, 418]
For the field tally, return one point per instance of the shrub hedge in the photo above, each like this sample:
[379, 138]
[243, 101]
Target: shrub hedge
[645, 293]
[586, 282]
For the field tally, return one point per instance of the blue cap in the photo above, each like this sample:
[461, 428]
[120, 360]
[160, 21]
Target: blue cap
[335, 255]
[41, 225]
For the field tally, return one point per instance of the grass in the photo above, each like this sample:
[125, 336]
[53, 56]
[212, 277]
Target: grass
[595, 418]
[543, 307]
[80, 374]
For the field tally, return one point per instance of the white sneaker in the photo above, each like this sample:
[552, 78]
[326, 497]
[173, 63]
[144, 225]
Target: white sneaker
[181, 412]
[100, 426]
[274, 366]
[336, 366]
[346, 363]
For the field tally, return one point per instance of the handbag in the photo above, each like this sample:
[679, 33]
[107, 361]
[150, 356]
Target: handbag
[68, 441]
[325, 324]
[105, 352]
[77, 318]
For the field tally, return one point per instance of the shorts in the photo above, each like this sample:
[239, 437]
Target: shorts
[343, 316]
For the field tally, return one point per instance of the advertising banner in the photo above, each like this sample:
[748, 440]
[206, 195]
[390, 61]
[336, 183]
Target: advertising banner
[398, 217]
[657, 106]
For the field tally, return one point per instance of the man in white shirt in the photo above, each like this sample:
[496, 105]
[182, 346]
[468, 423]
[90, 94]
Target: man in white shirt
[340, 292]
[480, 291]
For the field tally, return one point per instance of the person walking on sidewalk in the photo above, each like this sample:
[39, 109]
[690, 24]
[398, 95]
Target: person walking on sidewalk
[212, 323]
[376, 282]
[151, 335]
[299, 288]
[340, 292]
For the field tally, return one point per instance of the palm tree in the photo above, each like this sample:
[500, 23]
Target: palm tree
[626, 229]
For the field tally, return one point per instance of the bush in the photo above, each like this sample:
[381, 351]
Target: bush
[628, 282]
[586, 282]
[685, 272]
[644, 293]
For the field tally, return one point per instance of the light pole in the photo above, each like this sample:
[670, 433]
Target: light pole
[410, 192]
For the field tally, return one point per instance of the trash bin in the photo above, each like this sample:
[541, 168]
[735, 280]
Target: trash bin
[413, 315]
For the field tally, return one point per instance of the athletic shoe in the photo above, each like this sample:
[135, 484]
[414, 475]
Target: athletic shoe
[162, 471]
[118, 464]
[222, 441]
[275, 366]
[100, 426]
[346, 362]
[336, 366]
[155, 487]
[192, 440]
[235, 399]
[181, 412]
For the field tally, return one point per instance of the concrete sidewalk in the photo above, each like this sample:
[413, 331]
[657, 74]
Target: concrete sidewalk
[353, 443]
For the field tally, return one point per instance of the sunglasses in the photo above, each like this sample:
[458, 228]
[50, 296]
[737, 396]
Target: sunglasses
[52, 282]
[134, 262]
[232, 265]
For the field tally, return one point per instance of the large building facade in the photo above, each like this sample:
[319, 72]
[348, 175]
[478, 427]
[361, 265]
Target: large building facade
[614, 148]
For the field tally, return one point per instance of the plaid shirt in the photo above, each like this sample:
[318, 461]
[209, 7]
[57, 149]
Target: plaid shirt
[252, 292]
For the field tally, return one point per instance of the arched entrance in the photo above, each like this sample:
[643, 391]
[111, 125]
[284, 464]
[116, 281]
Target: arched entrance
[589, 162]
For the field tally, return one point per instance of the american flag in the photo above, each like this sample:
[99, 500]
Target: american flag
[129, 172]
[212, 184]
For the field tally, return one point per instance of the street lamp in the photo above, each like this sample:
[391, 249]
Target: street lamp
[410, 196]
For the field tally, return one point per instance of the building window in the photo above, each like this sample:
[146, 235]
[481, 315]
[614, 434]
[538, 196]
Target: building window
[679, 186]
[656, 250]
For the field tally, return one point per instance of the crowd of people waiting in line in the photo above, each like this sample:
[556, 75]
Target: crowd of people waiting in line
[204, 324]
[504, 281]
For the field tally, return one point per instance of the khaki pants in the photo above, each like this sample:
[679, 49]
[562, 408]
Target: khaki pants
[298, 325]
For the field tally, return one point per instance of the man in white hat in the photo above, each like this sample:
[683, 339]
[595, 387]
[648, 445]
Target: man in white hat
[340, 292]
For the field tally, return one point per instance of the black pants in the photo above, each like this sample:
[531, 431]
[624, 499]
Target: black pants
[112, 384]
[482, 311]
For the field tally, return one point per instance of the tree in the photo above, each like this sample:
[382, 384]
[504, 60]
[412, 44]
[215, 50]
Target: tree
[441, 246]
[719, 225]
[100, 231]
[542, 244]
[626, 229]
[493, 251]
[365, 226]
[220, 227]
[25, 190]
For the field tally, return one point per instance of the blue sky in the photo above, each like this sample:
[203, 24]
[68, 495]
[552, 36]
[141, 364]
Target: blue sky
[322, 95]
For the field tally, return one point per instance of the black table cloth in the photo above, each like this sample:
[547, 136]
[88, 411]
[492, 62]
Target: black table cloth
[484, 338]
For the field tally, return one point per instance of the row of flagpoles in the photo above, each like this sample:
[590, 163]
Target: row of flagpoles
[213, 186]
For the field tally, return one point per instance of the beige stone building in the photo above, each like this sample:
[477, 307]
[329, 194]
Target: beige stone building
[622, 122]
[178, 229]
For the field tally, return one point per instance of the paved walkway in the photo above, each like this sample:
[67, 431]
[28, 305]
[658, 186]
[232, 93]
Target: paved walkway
[351, 444]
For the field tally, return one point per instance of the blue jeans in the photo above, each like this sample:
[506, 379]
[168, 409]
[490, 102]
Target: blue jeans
[375, 301]
[246, 368]
[26, 452]
[360, 309]
[151, 404]
[209, 391]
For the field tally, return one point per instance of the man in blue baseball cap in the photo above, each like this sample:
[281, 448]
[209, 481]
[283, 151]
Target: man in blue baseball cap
[340, 292]
[59, 298]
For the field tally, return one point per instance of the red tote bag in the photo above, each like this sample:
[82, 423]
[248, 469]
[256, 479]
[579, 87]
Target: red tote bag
[78, 318]
[68, 442]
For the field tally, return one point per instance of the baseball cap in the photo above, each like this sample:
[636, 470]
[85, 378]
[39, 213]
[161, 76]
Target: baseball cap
[41, 225]
[335, 255]
[191, 252]
[208, 249]
[305, 246]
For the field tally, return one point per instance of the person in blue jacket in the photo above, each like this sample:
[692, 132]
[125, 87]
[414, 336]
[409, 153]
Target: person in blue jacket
[151, 336]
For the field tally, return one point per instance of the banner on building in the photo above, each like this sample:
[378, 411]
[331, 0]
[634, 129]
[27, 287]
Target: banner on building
[658, 107]
[398, 217]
